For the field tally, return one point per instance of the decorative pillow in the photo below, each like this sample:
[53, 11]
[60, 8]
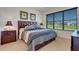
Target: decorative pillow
[36, 26]
[32, 27]
[29, 27]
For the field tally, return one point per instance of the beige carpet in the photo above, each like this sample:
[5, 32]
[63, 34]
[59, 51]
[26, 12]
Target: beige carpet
[58, 45]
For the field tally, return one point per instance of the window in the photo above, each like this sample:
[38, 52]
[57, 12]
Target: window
[58, 20]
[63, 20]
[50, 21]
[70, 20]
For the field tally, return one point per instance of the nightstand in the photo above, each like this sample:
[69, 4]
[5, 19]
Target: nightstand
[8, 36]
[75, 41]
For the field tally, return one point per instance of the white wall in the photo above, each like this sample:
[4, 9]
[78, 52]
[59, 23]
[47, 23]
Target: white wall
[13, 13]
[63, 34]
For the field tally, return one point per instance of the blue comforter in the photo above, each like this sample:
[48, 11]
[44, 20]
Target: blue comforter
[36, 35]
[39, 36]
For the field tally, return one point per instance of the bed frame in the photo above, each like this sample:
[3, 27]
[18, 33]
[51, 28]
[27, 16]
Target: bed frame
[22, 24]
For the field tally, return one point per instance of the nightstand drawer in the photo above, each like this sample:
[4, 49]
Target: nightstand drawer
[8, 36]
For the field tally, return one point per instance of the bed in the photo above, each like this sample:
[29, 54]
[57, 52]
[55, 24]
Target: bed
[35, 36]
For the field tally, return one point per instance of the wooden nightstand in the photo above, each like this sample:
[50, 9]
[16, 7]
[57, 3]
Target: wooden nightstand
[8, 36]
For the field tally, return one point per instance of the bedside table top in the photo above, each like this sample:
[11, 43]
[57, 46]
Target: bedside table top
[9, 28]
[75, 34]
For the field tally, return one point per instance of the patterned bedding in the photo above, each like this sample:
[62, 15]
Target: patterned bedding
[37, 36]
[34, 35]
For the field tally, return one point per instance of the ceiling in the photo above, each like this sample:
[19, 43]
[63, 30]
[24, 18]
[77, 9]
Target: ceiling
[45, 9]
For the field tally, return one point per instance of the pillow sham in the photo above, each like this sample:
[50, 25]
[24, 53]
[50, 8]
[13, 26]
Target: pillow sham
[32, 27]
[29, 27]
[36, 26]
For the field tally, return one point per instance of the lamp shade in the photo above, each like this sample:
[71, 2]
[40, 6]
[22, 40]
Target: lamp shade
[9, 23]
[41, 23]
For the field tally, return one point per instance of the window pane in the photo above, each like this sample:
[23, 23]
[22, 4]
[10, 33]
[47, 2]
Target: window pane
[50, 21]
[58, 20]
[50, 25]
[70, 20]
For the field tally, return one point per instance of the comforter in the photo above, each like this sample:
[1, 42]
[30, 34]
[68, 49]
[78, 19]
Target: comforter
[37, 36]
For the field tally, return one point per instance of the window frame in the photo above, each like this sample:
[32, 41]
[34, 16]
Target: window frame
[62, 19]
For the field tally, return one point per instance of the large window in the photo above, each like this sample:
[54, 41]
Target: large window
[63, 20]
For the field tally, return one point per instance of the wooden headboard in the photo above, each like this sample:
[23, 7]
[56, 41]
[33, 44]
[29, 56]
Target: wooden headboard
[22, 24]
